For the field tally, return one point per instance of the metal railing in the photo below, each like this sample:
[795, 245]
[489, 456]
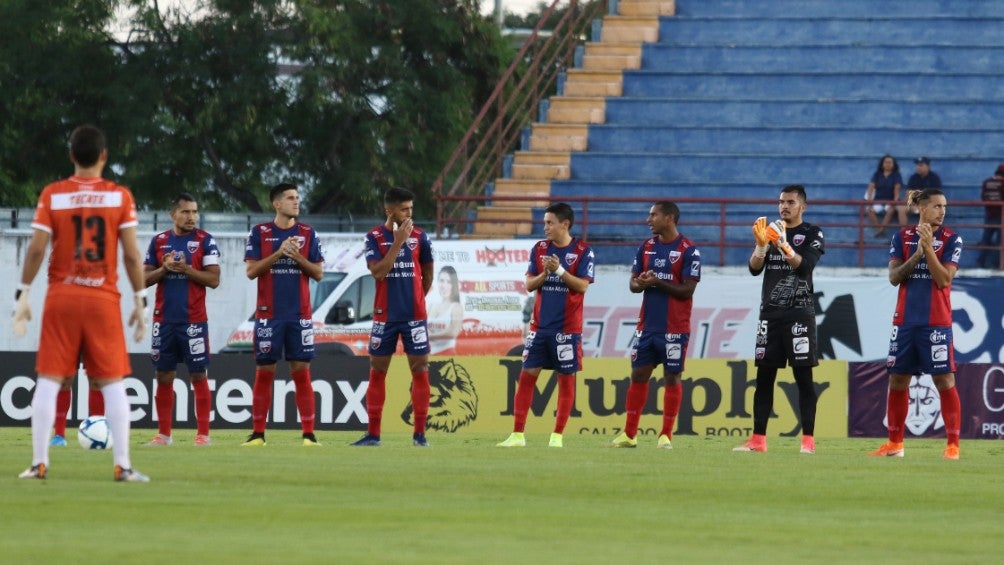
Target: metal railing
[495, 131]
[723, 214]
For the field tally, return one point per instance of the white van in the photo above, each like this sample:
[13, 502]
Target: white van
[486, 277]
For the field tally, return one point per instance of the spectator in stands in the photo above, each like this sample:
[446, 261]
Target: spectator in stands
[884, 185]
[991, 192]
[922, 179]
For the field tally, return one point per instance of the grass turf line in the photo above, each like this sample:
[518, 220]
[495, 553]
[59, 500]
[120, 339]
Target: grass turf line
[464, 500]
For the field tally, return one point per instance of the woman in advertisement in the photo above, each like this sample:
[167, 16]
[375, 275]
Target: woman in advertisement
[446, 317]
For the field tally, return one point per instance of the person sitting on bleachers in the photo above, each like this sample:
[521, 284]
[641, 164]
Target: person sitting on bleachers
[922, 179]
[884, 185]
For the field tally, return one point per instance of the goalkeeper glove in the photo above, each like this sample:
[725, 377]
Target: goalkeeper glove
[138, 317]
[776, 234]
[22, 312]
[760, 233]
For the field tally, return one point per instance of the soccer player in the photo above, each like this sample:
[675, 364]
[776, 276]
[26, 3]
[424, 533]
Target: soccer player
[399, 255]
[182, 261]
[666, 270]
[86, 218]
[283, 255]
[561, 267]
[786, 252]
[923, 260]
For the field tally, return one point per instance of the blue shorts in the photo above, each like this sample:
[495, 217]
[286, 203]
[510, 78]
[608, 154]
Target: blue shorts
[274, 337]
[915, 350]
[414, 336]
[173, 343]
[649, 349]
[562, 352]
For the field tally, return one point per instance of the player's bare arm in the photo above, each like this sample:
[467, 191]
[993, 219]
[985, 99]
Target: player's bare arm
[553, 265]
[682, 290]
[941, 274]
[533, 282]
[380, 268]
[257, 267]
[899, 271]
[133, 260]
[34, 255]
[291, 249]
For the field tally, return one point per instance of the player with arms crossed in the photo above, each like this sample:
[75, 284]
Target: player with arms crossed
[182, 261]
[786, 252]
[666, 270]
[561, 268]
[86, 218]
[399, 255]
[923, 260]
[283, 255]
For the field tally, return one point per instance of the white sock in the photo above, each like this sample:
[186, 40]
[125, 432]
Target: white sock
[117, 414]
[43, 416]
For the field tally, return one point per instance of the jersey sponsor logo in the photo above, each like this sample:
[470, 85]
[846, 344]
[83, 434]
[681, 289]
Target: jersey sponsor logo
[799, 329]
[697, 252]
[88, 198]
[939, 353]
[800, 345]
[659, 263]
[193, 330]
[263, 332]
[565, 352]
[306, 323]
[307, 337]
[674, 351]
[197, 346]
[378, 328]
[798, 239]
[418, 335]
[674, 337]
[562, 338]
[938, 336]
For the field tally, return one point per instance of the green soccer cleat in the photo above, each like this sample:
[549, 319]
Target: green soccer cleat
[310, 440]
[556, 440]
[624, 441]
[664, 442]
[515, 439]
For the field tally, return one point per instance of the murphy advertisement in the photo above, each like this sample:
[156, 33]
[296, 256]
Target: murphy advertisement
[469, 394]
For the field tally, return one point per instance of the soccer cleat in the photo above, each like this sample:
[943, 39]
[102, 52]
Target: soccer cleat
[34, 472]
[418, 440]
[664, 442]
[256, 439]
[750, 445]
[202, 440]
[808, 445]
[624, 441]
[310, 440]
[556, 440]
[515, 439]
[160, 440]
[952, 452]
[889, 449]
[58, 441]
[124, 475]
[367, 441]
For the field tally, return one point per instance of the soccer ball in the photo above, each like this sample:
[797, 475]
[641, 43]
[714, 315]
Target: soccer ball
[94, 433]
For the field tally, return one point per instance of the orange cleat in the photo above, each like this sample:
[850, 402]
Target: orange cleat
[952, 452]
[889, 449]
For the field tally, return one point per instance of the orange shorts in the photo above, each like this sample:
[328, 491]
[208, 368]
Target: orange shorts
[87, 328]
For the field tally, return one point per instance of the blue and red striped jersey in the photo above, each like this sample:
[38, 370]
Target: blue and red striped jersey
[283, 290]
[179, 299]
[400, 296]
[920, 301]
[557, 308]
[674, 262]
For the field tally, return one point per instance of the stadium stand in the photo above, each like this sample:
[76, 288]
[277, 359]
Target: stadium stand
[732, 99]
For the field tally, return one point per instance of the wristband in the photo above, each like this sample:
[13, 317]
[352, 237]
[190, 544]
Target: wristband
[760, 251]
[559, 271]
[141, 294]
[787, 250]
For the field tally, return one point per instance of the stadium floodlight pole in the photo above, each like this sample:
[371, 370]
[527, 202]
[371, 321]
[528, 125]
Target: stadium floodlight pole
[498, 13]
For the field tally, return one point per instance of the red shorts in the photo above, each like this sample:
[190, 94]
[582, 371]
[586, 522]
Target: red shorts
[76, 327]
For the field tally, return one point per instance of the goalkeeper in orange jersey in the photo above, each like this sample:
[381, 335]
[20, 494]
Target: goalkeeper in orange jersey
[786, 252]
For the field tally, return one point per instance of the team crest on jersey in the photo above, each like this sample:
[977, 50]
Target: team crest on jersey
[571, 257]
[300, 240]
[937, 245]
[798, 239]
[155, 354]
[375, 342]
[193, 246]
[674, 256]
[265, 346]
[413, 243]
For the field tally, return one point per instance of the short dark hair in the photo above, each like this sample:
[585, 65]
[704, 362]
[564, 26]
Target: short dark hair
[670, 209]
[395, 196]
[797, 189]
[182, 197]
[86, 144]
[278, 189]
[563, 212]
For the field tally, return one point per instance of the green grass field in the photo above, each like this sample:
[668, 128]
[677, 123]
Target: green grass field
[465, 501]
